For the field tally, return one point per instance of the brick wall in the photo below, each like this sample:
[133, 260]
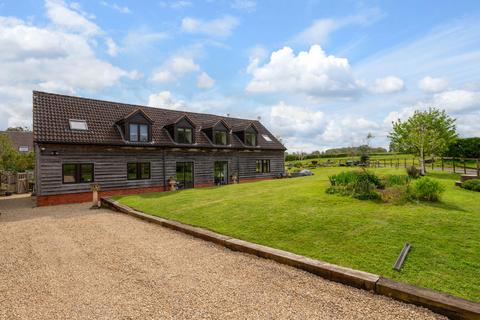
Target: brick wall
[87, 196]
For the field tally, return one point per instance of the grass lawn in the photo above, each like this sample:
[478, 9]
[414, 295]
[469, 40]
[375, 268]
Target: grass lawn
[298, 216]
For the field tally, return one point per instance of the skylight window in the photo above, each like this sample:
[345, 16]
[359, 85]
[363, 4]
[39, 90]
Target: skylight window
[267, 138]
[78, 125]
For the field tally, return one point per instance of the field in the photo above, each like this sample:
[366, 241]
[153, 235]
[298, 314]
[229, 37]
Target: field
[391, 160]
[298, 216]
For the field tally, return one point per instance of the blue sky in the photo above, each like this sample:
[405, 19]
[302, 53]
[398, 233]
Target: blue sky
[320, 74]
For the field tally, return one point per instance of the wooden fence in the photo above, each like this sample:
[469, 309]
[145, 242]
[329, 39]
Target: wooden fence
[455, 165]
[16, 182]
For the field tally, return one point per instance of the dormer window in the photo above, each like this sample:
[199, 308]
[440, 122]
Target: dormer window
[218, 132]
[136, 127]
[221, 137]
[250, 138]
[184, 135]
[182, 130]
[247, 133]
[138, 132]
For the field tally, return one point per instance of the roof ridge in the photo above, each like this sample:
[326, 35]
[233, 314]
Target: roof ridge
[139, 105]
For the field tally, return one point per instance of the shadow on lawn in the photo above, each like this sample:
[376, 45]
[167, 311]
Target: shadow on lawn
[443, 205]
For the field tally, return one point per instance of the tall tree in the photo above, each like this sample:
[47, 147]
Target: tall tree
[425, 133]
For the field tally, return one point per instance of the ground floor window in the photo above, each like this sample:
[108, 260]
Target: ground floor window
[184, 175]
[138, 170]
[220, 172]
[262, 166]
[77, 172]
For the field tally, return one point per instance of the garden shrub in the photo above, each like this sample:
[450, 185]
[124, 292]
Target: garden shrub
[395, 180]
[426, 189]
[413, 172]
[473, 185]
[359, 184]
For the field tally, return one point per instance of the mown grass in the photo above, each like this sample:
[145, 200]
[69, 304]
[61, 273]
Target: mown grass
[298, 216]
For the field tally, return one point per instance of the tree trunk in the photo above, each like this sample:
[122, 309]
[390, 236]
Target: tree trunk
[422, 162]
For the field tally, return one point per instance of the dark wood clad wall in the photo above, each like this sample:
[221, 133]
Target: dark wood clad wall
[110, 165]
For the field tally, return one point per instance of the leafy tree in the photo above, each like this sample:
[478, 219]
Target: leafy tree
[425, 133]
[465, 148]
[11, 159]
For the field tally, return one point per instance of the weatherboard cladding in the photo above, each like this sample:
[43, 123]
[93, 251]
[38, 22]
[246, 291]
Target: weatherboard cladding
[52, 112]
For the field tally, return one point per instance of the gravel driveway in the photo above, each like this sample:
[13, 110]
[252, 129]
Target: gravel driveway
[71, 262]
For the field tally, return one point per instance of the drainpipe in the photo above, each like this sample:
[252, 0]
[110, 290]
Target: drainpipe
[164, 173]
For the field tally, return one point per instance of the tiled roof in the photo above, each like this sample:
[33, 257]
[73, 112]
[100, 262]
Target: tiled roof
[20, 138]
[52, 112]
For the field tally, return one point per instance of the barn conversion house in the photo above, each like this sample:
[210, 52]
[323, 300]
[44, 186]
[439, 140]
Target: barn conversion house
[131, 149]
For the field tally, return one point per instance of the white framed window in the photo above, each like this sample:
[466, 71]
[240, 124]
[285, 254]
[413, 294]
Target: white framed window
[78, 124]
[23, 148]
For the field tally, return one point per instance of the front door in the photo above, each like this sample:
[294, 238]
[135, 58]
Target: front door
[220, 173]
[184, 175]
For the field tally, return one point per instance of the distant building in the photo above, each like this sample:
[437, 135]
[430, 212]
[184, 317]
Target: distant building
[22, 141]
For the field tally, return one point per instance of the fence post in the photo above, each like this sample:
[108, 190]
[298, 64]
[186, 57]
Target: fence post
[384, 163]
[464, 166]
[453, 162]
[433, 162]
[391, 163]
[478, 167]
[442, 163]
[405, 162]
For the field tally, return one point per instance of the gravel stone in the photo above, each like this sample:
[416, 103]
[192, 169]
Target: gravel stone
[69, 262]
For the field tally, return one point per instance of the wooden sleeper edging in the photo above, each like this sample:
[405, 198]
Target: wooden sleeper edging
[453, 307]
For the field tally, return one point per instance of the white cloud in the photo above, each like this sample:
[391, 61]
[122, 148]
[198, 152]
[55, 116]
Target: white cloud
[308, 128]
[59, 57]
[142, 38]
[112, 48]
[312, 73]
[320, 29]
[220, 27]
[389, 84]
[205, 81]
[247, 5]
[457, 100]
[179, 4]
[175, 68]
[64, 17]
[164, 99]
[287, 119]
[429, 84]
[119, 8]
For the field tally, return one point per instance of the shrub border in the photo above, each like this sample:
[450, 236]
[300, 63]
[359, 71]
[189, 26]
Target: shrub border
[453, 307]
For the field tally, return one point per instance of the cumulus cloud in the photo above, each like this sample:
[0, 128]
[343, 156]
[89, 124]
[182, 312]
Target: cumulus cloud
[429, 84]
[59, 57]
[62, 16]
[307, 128]
[389, 84]
[287, 119]
[312, 72]
[112, 48]
[175, 68]
[220, 27]
[457, 100]
[164, 99]
[463, 105]
[205, 81]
